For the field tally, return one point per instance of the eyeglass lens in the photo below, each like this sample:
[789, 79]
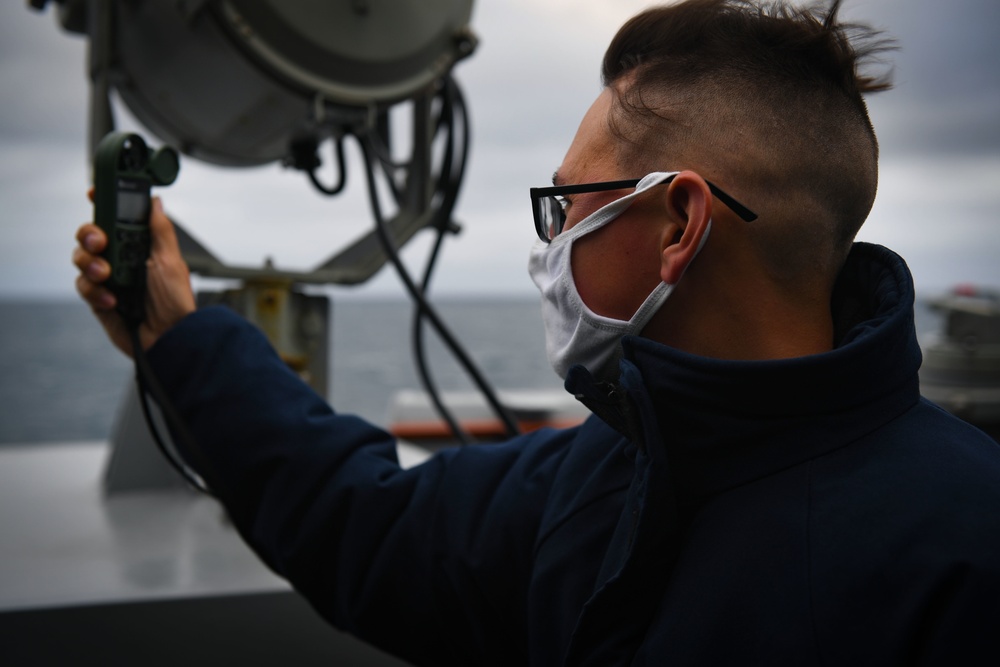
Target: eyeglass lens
[552, 217]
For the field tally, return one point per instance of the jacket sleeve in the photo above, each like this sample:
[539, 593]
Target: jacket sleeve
[429, 563]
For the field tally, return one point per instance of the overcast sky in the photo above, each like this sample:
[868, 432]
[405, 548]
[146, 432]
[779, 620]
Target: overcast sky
[532, 77]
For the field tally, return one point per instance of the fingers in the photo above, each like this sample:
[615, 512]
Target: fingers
[86, 256]
[91, 238]
[96, 295]
[94, 267]
[94, 271]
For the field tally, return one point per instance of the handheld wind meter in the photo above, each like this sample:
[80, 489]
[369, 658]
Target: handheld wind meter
[124, 171]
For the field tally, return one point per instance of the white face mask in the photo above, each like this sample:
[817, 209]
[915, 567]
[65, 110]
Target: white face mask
[574, 334]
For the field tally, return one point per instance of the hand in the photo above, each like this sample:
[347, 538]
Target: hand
[169, 297]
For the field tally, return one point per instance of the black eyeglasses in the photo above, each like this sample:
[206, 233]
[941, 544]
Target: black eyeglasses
[549, 207]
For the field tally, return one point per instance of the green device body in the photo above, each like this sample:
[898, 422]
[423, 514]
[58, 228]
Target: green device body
[124, 172]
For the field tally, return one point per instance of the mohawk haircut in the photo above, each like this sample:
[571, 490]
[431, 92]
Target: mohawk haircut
[698, 37]
[764, 97]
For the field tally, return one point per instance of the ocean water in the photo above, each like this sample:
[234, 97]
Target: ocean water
[61, 380]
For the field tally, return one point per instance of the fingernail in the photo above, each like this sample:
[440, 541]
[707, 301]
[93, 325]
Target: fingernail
[95, 271]
[90, 242]
[157, 205]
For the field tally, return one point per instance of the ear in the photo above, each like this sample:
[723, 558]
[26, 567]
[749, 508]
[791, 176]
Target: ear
[689, 202]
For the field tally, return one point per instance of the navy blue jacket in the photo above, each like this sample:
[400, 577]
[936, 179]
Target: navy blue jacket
[810, 511]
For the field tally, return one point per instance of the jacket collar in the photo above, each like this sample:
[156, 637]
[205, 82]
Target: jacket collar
[725, 423]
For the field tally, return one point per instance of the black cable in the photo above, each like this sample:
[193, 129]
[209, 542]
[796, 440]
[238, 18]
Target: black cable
[341, 166]
[147, 383]
[304, 157]
[420, 353]
[449, 183]
[388, 245]
[375, 146]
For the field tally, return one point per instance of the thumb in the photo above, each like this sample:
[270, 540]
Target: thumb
[168, 283]
[163, 237]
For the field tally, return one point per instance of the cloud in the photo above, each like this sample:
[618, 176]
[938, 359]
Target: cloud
[947, 93]
[43, 78]
[940, 215]
[530, 81]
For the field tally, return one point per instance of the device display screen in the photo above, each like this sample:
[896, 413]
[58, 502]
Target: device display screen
[133, 206]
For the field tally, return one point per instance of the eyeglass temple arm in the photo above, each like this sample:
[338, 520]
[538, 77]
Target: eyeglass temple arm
[739, 209]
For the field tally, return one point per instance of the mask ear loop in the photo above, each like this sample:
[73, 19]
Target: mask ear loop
[656, 298]
[649, 306]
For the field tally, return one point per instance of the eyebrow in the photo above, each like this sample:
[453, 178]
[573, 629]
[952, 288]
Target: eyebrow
[555, 178]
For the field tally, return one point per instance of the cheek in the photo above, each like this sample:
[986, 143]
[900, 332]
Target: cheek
[615, 271]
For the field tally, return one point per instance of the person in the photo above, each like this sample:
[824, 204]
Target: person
[760, 481]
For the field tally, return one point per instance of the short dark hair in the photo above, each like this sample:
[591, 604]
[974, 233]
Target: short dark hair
[765, 97]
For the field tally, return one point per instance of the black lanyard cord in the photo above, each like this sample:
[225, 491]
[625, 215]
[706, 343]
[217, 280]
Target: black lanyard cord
[148, 385]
